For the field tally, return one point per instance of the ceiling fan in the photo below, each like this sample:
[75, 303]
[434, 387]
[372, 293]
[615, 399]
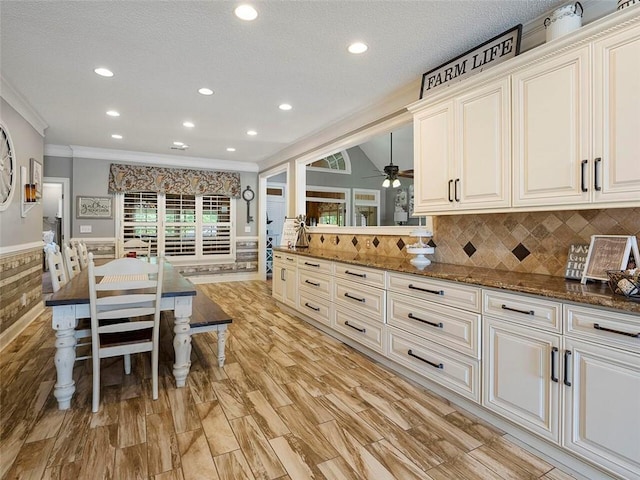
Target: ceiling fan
[392, 172]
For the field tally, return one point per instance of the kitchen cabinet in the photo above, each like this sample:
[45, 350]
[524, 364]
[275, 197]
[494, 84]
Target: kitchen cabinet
[602, 388]
[315, 289]
[463, 151]
[285, 282]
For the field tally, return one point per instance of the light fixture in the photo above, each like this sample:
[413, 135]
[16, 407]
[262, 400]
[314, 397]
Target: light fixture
[113, 113]
[357, 48]
[231, 149]
[116, 136]
[391, 170]
[178, 144]
[246, 12]
[104, 72]
[285, 106]
[205, 91]
[188, 124]
[253, 133]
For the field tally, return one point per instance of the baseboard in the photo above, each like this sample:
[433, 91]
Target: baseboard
[10, 334]
[223, 277]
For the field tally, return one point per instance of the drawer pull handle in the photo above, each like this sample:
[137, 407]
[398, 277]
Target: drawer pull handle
[604, 329]
[363, 300]
[361, 330]
[435, 292]
[554, 351]
[567, 354]
[278, 256]
[312, 283]
[317, 265]
[290, 259]
[361, 275]
[530, 312]
[317, 309]
[434, 365]
[433, 324]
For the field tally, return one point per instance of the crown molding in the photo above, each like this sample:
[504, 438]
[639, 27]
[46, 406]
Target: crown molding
[22, 106]
[144, 158]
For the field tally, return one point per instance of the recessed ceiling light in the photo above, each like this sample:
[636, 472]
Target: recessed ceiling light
[205, 91]
[357, 47]
[104, 72]
[178, 144]
[113, 113]
[252, 132]
[231, 149]
[246, 12]
[188, 124]
[116, 136]
[285, 106]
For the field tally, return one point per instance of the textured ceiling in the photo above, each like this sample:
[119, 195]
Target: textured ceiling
[162, 51]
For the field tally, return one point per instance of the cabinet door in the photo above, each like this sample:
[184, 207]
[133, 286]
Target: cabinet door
[277, 280]
[291, 287]
[617, 117]
[551, 133]
[601, 407]
[520, 375]
[483, 147]
[433, 154]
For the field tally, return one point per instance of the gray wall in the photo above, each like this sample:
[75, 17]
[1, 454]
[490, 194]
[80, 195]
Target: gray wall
[27, 143]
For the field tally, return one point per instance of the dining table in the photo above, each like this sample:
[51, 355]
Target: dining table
[71, 303]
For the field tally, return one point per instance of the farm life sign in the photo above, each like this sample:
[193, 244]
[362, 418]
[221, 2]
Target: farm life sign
[492, 52]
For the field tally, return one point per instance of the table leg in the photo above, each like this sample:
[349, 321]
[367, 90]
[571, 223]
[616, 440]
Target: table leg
[63, 323]
[182, 340]
[222, 338]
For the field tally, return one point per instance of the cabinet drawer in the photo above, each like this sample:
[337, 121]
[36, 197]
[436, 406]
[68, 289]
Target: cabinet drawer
[285, 258]
[446, 293]
[314, 282]
[315, 264]
[609, 328]
[317, 308]
[366, 276]
[362, 299]
[457, 329]
[361, 329]
[529, 311]
[437, 363]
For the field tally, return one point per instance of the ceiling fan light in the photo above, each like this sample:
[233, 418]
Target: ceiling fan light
[386, 183]
[396, 183]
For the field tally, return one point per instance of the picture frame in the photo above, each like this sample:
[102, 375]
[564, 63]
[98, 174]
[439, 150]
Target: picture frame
[94, 207]
[608, 252]
[35, 176]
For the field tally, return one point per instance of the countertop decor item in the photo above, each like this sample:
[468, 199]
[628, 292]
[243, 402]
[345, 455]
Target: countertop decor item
[301, 229]
[563, 20]
[627, 3]
[420, 248]
[625, 282]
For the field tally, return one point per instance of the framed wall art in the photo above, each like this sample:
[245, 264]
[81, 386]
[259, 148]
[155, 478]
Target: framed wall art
[608, 252]
[94, 207]
[35, 177]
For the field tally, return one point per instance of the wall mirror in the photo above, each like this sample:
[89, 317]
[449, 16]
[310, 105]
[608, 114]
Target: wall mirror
[366, 185]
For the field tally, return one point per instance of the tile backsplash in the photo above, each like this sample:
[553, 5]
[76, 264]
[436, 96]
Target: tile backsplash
[532, 242]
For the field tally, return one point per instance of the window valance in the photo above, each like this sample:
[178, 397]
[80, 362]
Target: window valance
[137, 178]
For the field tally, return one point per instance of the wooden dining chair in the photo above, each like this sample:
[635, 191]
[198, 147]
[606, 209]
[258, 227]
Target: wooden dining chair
[127, 289]
[82, 254]
[71, 261]
[57, 270]
[137, 246]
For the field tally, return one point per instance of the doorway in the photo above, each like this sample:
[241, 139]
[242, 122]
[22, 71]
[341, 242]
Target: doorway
[56, 211]
[272, 212]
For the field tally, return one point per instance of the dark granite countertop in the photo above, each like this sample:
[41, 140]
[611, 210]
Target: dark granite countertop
[593, 293]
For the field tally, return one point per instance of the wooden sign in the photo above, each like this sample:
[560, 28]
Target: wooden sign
[490, 53]
[289, 233]
[608, 252]
[576, 259]
[93, 207]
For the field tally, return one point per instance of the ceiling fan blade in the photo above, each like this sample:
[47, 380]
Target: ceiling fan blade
[406, 173]
[375, 176]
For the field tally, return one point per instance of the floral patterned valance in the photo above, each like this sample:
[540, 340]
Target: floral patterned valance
[134, 178]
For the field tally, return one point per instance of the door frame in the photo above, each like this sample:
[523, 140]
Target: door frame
[66, 206]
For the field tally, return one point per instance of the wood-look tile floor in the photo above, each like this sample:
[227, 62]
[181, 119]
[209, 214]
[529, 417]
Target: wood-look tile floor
[290, 403]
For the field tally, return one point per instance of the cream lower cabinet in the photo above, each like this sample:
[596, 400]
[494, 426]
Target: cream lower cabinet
[285, 281]
[315, 289]
[602, 388]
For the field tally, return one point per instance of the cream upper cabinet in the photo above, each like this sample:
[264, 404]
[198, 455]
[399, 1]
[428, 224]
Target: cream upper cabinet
[617, 117]
[463, 147]
[551, 110]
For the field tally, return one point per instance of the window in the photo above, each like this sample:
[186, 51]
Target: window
[366, 207]
[327, 206]
[338, 162]
[184, 226]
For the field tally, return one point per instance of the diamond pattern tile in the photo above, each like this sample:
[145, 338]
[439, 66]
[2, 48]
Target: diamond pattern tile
[469, 249]
[521, 252]
[501, 241]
